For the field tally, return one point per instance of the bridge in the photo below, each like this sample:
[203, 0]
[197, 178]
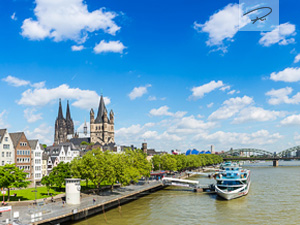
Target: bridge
[263, 154]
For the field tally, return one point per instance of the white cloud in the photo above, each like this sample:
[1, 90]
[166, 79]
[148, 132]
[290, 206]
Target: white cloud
[67, 20]
[42, 133]
[233, 92]
[138, 91]
[223, 26]
[261, 137]
[257, 114]
[291, 120]
[281, 35]
[200, 91]
[30, 116]
[152, 98]
[16, 82]
[3, 123]
[13, 16]
[297, 58]
[225, 88]
[77, 48]
[282, 96]
[85, 99]
[164, 111]
[230, 108]
[111, 46]
[210, 105]
[288, 75]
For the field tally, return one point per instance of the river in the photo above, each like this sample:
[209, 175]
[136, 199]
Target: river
[274, 198]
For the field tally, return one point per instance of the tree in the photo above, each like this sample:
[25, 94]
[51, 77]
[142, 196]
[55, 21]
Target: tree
[59, 174]
[12, 176]
[44, 146]
[168, 162]
[156, 162]
[47, 182]
[84, 143]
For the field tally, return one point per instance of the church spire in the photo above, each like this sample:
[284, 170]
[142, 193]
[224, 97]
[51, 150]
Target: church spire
[101, 110]
[68, 115]
[60, 113]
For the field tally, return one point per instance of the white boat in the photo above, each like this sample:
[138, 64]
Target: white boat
[234, 182]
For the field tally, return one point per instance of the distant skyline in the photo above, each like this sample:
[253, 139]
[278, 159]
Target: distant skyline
[178, 74]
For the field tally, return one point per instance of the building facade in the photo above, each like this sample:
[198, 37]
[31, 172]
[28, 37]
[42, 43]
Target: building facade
[37, 153]
[102, 128]
[63, 126]
[7, 151]
[44, 164]
[22, 153]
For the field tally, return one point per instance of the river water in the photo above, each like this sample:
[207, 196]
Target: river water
[274, 198]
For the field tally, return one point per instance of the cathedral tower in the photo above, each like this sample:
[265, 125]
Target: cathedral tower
[102, 129]
[63, 126]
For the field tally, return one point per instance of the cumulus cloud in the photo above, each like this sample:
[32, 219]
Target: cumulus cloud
[30, 115]
[261, 137]
[287, 75]
[43, 133]
[257, 114]
[111, 46]
[200, 91]
[222, 26]
[164, 111]
[3, 123]
[16, 82]
[13, 16]
[282, 96]
[138, 92]
[291, 120]
[77, 48]
[297, 58]
[281, 35]
[67, 20]
[84, 99]
[231, 107]
[210, 105]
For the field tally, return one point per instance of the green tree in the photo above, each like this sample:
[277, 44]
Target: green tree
[11, 176]
[59, 173]
[168, 162]
[44, 145]
[84, 143]
[156, 162]
[47, 182]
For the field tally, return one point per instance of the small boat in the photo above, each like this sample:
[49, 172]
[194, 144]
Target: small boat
[234, 182]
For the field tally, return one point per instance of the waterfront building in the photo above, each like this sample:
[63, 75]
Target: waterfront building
[37, 152]
[44, 164]
[22, 151]
[102, 128]
[63, 152]
[63, 126]
[7, 152]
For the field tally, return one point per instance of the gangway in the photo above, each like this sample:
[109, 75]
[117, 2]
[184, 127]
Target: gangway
[187, 183]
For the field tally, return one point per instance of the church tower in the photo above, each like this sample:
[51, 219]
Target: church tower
[102, 129]
[63, 126]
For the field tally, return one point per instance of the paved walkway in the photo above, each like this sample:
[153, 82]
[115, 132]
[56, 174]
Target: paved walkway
[56, 209]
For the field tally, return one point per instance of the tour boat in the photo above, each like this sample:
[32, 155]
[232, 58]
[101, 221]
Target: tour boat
[232, 183]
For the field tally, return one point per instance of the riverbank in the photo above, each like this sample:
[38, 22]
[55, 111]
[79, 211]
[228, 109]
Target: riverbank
[56, 212]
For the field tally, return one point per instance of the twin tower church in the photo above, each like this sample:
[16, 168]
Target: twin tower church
[102, 129]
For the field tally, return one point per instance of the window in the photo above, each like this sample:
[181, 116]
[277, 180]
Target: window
[2, 163]
[5, 146]
[2, 154]
[6, 138]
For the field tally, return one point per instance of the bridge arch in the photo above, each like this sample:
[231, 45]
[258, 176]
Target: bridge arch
[287, 151]
[254, 150]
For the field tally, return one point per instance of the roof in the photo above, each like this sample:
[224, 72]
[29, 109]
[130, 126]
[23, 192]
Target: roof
[2, 133]
[77, 141]
[15, 137]
[55, 150]
[60, 113]
[101, 110]
[33, 143]
[68, 115]
[42, 147]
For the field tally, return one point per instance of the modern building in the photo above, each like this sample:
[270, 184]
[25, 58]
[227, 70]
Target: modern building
[37, 153]
[102, 128]
[22, 153]
[7, 151]
[63, 126]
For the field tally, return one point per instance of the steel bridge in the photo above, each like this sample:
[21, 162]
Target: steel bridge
[261, 152]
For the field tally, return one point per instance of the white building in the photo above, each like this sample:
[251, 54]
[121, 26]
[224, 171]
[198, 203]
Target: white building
[64, 152]
[7, 151]
[36, 159]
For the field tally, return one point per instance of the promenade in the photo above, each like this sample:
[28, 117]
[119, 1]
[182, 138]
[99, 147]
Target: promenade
[57, 209]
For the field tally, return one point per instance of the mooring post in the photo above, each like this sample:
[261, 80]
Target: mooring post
[275, 163]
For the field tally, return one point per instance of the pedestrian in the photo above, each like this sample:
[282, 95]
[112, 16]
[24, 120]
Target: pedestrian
[52, 199]
[63, 203]
[94, 201]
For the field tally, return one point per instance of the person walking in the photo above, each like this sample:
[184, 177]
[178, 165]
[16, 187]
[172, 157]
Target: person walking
[94, 201]
[63, 203]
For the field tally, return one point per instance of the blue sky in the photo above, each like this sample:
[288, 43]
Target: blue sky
[178, 74]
